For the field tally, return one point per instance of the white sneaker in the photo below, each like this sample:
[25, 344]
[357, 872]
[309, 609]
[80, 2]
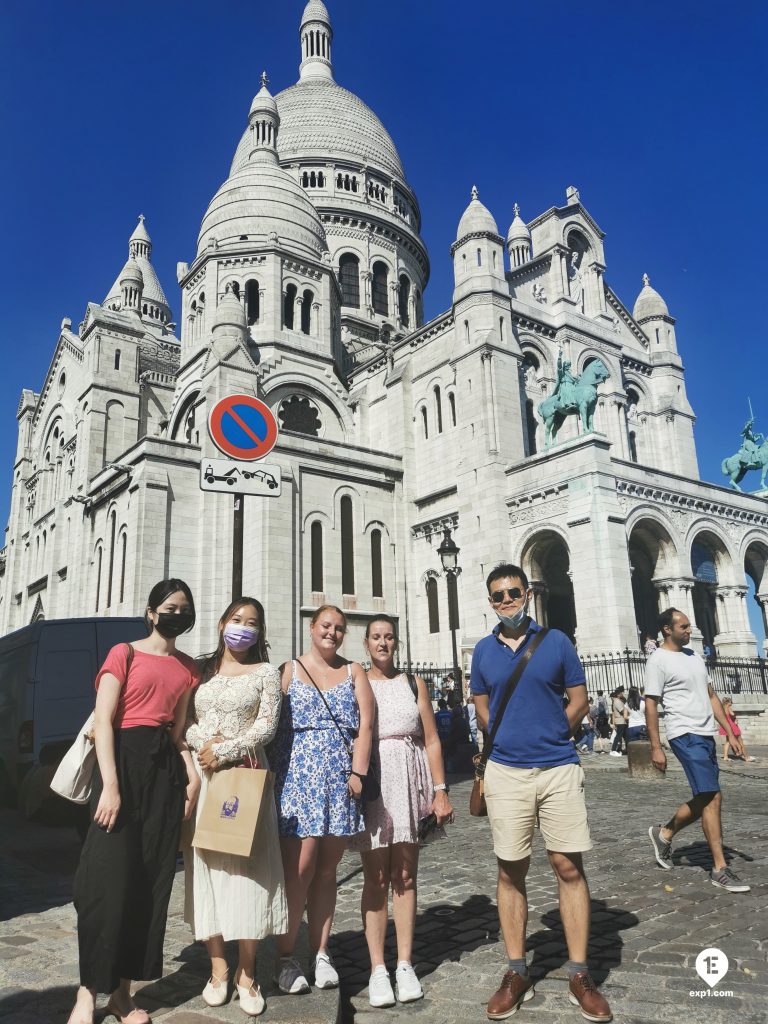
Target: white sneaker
[291, 978]
[380, 988]
[325, 972]
[408, 985]
[615, 753]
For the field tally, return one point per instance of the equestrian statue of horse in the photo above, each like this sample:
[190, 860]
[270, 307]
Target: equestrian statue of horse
[579, 395]
[756, 457]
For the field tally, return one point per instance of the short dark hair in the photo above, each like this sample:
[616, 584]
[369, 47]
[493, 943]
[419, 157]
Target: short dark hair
[667, 619]
[160, 593]
[503, 569]
[382, 618]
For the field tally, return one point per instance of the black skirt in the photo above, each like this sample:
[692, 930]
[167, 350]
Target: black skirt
[124, 880]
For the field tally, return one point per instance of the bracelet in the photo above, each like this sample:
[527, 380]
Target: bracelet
[440, 786]
[359, 776]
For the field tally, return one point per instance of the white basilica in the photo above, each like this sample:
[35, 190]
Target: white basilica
[306, 290]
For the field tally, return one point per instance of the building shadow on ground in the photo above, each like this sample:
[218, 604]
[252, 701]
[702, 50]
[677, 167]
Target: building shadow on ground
[550, 952]
[443, 932]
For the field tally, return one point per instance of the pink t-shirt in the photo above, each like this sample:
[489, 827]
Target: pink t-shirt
[155, 682]
[735, 728]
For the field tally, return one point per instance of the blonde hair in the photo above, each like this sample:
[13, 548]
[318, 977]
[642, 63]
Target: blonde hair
[328, 608]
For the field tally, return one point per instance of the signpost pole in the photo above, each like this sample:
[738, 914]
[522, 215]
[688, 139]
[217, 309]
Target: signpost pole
[237, 546]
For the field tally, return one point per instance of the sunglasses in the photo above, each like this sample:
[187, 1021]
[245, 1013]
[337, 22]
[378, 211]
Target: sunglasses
[497, 596]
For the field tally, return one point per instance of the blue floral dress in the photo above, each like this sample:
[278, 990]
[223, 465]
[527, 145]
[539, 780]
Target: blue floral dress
[311, 762]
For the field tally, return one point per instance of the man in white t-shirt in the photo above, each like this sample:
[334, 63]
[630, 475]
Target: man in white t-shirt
[677, 677]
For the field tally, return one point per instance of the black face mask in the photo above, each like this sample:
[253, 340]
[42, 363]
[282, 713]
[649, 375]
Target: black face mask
[170, 624]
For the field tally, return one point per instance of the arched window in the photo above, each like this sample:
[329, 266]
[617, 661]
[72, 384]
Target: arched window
[347, 547]
[289, 305]
[466, 331]
[377, 586]
[251, 302]
[184, 427]
[112, 535]
[424, 423]
[379, 289]
[235, 286]
[349, 280]
[316, 546]
[633, 446]
[117, 357]
[479, 257]
[419, 309]
[452, 407]
[114, 426]
[438, 411]
[433, 608]
[306, 312]
[122, 566]
[404, 297]
[530, 420]
[299, 415]
[98, 577]
[501, 328]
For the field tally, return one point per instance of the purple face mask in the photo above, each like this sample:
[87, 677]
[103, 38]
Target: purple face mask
[239, 638]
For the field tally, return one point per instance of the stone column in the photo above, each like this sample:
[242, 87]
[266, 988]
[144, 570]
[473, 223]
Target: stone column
[297, 304]
[367, 277]
[490, 390]
[539, 600]
[762, 600]
[314, 326]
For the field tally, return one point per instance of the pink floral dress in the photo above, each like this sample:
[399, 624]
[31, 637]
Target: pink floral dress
[400, 759]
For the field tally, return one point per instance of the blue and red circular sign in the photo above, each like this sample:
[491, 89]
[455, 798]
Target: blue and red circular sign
[242, 427]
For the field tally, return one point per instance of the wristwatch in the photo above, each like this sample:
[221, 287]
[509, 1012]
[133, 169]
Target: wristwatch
[443, 786]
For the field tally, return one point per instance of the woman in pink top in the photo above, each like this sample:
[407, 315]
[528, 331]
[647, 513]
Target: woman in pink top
[733, 722]
[143, 784]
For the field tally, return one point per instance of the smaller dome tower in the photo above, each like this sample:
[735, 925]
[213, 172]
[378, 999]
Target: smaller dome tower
[478, 252]
[131, 287]
[518, 241]
[652, 314]
[316, 35]
[153, 306]
[263, 124]
[229, 321]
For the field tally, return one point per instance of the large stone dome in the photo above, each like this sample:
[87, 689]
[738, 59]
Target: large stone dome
[255, 202]
[320, 119]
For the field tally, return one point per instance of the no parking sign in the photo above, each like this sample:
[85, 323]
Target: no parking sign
[242, 427]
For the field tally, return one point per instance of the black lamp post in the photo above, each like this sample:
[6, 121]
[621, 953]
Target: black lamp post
[449, 556]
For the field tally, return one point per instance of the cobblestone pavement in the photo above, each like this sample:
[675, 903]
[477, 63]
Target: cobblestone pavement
[648, 925]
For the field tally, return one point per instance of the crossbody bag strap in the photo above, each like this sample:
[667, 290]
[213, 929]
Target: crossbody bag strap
[343, 735]
[128, 662]
[514, 679]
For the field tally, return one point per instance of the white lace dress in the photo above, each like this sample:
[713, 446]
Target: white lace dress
[236, 897]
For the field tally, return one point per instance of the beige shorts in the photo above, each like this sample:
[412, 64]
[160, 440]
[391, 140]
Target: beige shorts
[520, 798]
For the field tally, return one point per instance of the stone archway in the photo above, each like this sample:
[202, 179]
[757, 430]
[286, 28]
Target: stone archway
[709, 557]
[546, 561]
[756, 576]
[651, 558]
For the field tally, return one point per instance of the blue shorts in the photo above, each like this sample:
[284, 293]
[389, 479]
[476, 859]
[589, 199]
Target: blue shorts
[698, 756]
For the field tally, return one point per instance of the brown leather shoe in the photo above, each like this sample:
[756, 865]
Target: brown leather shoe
[585, 995]
[511, 993]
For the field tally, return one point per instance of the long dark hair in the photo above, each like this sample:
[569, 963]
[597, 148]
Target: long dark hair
[160, 593]
[633, 698]
[256, 652]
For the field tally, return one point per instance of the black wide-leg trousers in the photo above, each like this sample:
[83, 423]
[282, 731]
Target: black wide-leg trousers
[124, 880]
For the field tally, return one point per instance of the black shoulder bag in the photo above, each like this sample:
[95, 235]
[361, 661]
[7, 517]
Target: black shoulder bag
[477, 805]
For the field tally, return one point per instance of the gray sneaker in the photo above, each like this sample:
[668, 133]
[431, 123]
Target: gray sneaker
[727, 879]
[661, 848]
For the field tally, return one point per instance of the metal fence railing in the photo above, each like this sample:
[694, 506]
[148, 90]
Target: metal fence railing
[735, 676]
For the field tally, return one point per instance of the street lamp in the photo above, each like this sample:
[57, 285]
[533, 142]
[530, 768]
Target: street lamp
[449, 556]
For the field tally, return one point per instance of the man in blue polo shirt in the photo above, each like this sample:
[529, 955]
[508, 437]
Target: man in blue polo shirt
[534, 775]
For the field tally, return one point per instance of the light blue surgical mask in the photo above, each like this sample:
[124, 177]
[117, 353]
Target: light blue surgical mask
[516, 620]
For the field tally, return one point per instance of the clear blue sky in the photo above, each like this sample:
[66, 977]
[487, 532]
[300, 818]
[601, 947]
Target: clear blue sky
[655, 110]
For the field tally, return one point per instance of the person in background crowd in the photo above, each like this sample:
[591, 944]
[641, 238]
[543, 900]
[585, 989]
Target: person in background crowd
[233, 713]
[534, 777]
[144, 783]
[444, 722]
[636, 729]
[586, 738]
[327, 710]
[735, 729]
[407, 749]
[619, 717]
[649, 645]
[471, 716]
[599, 714]
[677, 677]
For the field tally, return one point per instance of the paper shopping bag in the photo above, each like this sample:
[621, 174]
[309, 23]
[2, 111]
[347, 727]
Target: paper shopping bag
[233, 805]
